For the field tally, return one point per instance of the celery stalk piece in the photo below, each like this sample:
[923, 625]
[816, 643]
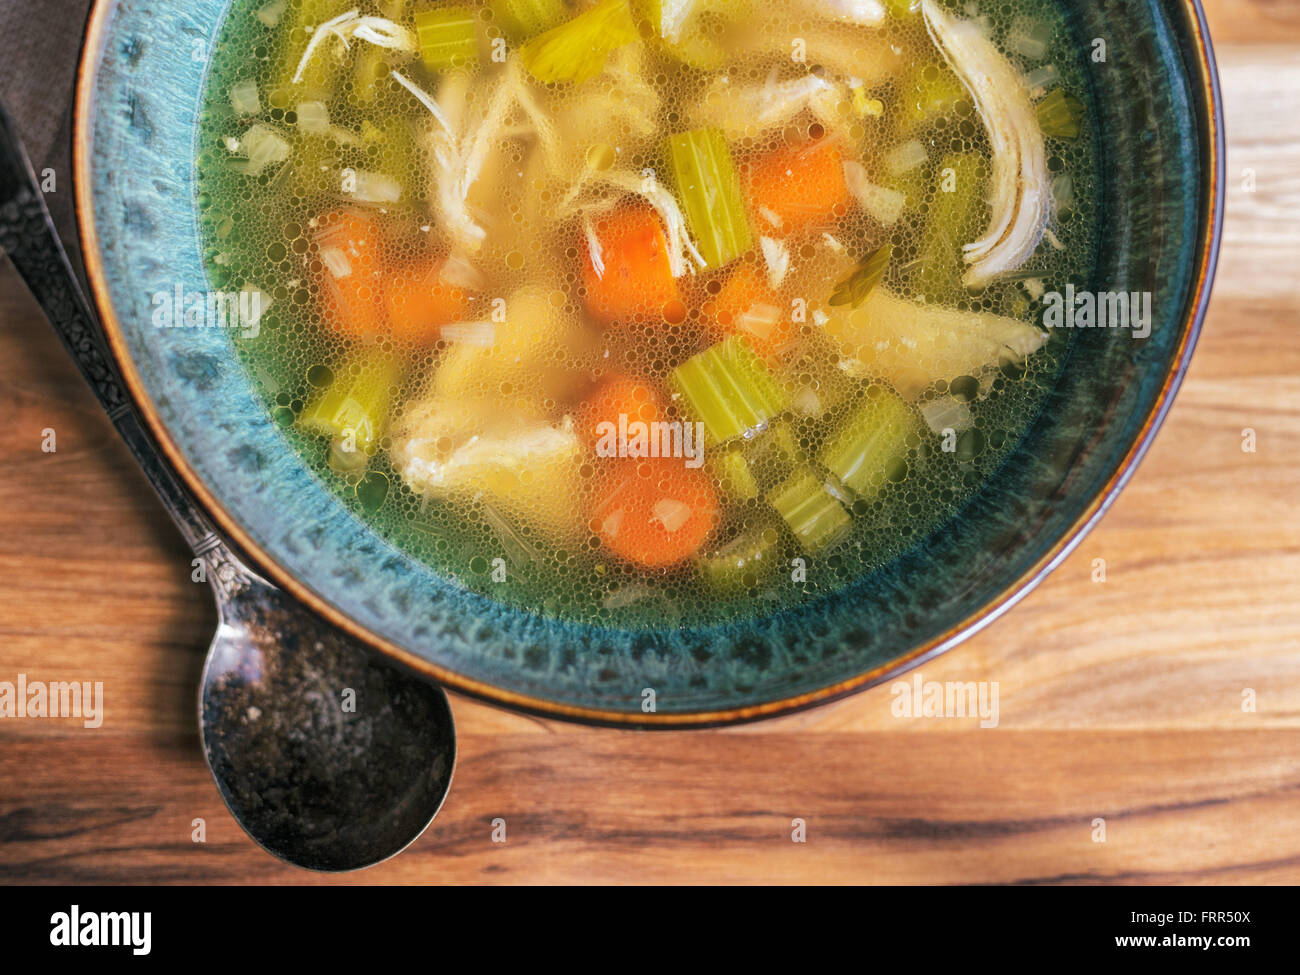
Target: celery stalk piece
[448, 37]
[813, 513]
[709, 187]
[733, 473]
[576, 51]
[522, 19]
[729, 389]
[1060, 115]
[956, 209]
[744, 562]
[774, 455]
[872, 438]
[354, 410]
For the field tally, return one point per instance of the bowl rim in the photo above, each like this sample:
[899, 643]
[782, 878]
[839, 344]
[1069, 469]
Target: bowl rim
[1206, 84]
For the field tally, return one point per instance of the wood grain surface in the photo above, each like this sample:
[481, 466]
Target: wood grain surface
[1119, 701]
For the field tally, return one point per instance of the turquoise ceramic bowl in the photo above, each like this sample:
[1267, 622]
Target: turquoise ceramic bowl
[1156, 97]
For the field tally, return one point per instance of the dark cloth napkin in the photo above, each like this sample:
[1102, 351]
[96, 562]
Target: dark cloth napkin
[40, 42]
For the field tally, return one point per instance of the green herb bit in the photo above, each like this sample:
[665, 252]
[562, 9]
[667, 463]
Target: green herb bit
[857, 287]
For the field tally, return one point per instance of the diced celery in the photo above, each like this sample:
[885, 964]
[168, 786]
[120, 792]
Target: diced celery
[448, 37]
[872, 439]
[732, 471]
[1060, 115]
[814, 514]
[729, 389]
[577, 50]
[354, 410]
[773, 456]
[522, 19]
[954, 215]
[743, 562]
[857, 287]
[710, 192]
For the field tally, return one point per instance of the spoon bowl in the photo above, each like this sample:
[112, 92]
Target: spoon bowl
[328, 756]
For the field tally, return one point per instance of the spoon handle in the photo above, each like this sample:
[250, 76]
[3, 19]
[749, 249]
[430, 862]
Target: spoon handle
[28, 236]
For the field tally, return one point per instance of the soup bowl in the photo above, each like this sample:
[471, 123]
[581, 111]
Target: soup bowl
[1156, 102]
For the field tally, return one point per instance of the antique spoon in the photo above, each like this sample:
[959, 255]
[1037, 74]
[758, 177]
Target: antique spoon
[328, 757]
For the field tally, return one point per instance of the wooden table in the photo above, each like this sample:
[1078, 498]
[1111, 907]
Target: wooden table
[1119, 701]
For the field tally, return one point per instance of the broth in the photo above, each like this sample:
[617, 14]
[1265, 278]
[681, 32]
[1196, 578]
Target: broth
[506, 251]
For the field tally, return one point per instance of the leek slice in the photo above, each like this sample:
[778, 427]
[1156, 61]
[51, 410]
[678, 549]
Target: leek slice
[709, 187]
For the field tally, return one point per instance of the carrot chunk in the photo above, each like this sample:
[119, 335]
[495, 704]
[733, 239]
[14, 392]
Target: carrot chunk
[748, 306]
[635, 279]
[658, 514]
[799, 188]
[618, 396]
[350, 247]
[419, 303]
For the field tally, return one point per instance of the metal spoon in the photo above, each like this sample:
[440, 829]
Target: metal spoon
[328, 757]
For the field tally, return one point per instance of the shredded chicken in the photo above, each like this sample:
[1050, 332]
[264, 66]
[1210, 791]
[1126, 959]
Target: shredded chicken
[474, 451]
[352, 26]
[1021, 195]
[745, 111]
[465, 138]
[872, 58]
